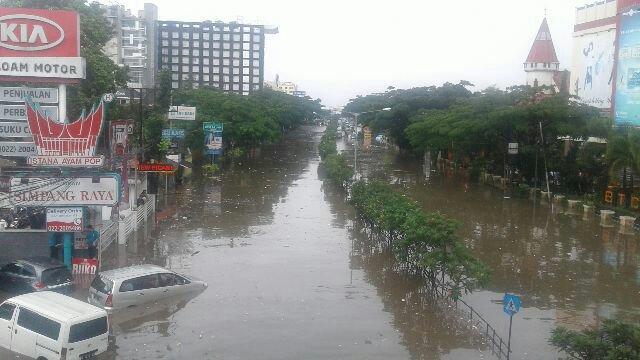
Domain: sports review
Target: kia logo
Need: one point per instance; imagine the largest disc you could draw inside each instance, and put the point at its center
(25, 32)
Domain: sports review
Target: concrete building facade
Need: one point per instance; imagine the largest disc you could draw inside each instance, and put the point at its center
(133, 44)
(227, 56)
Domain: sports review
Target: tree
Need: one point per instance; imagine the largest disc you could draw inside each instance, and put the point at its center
(623, 153)
(614, 340)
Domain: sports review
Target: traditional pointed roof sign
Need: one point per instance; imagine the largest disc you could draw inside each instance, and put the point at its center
(543, 50)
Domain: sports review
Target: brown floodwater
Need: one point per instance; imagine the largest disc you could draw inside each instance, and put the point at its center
(292, 276)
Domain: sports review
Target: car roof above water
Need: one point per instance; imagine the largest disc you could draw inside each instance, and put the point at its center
(42, 262)
(132, 272)
(57, 306)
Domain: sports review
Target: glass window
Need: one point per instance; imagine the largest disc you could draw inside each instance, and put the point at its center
(246, 70)
(246, 37)
(225, 78)
(174, 67)
(174, 85)
(39, 324)
(245, 62)
(215, 61)
(245, 79)
(165, 34)
(236, 62)
(195, 52)
(205, 78)
(6, 311)
(216, 78)
(236, 46)
(165, 59)
(225, 62)
(256, 79)
(185, 52)
(174, 76)
(236, 71)
(165, 42)
(185, 60)
(225, 70)
(236, 37)
(216, 53)
(88, 329)
(165, 51)
(256, 47)
(205, 69)
(205, 61)
(236, 54)
(236, 79)
(226, 45)
(256, 55)
(196, 60)
(256, 63)
(245, 54)
(185, 68)
(196, 35)
(256, 38)
(236, 87)
(245, 87)
(225, 37)
(185, 43)
(185, 35)
(205, 36)
(175, 43)
(195, 68)
(206, 44)
(215, 36)
(226, 87)
(216, 45)
(205, 52)
(56, 276)
(175, 35)
(175, 51)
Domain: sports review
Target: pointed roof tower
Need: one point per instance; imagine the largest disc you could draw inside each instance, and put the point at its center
(542, 50)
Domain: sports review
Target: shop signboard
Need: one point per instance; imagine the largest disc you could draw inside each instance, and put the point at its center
(594, 68)
(182, 113)
(102, 190)
(82, 266)
(65, 145)
(19, 94)
(627, 87)
(15, 130)
(175, 137)
(156, 167)
(213, 137)
(65, 219)
(17, 148)
(40, 43)
(19, 112)
(119, 135)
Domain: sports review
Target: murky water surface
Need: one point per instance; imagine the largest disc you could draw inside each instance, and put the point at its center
(291, 276)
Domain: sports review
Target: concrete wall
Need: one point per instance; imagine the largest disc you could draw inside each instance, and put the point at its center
(16, 244)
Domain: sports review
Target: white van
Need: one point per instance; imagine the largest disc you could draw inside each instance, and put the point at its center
(48, 325)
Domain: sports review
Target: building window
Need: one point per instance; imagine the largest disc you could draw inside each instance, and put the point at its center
(195, 52)
(256, 63)
(245, 87)
(195, 60)
(196, 35)
(256, 55)
(225, 78)
(226, 45)
(174, 85)
(236, 79)
(216, 78)
(165, 51)
(215, 36)
(175, 43)
(245, 79)
(225, 62)
(256, 38)
(206, 44)
(236, 71)
(185, 60)
(175, 35)
(165, 59)
(174, 67)
(165, 34)
(236, 37)
(205, 53)
(175, 59)
(216, 69)
(256, 79)
(256, 47)
(185, 35)
(175, 52)
(236, 54)
(205, 36)
(236, 62)
(215, 61)
(165, 42)
(185, 52)
(174, 76)
(236, 87)
(245, 71)
(185, 43)
(205, 78)
(216, 45)
(205, 61)
(245, 54)
(225, 37)
(225, 53)
(236, 46)
(225, 70)
(185, 68)
(205, 69)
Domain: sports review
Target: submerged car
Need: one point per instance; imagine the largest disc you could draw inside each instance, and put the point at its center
(36, 274)
(140, 284)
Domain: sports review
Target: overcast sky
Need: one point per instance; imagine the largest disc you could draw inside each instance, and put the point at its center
(337, 49)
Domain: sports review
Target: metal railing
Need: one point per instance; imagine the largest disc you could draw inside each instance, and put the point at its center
(475, 321)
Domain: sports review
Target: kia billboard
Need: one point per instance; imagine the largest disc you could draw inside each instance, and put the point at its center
(40, 43)
(627, 95)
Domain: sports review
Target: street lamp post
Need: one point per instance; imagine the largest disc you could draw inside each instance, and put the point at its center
(355, 138)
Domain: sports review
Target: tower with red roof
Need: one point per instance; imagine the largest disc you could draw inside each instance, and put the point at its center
(542, 66)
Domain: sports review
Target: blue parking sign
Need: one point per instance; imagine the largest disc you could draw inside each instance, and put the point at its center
(510, 304)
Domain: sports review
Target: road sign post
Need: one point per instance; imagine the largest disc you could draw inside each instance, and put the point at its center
(511, 306)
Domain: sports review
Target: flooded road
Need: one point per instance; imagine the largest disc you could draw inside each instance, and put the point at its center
(292, 276)
(276, 251)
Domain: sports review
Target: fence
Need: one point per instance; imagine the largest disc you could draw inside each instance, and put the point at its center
(498, 346)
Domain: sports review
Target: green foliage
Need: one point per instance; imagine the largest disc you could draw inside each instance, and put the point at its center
(103, 75)
(338, 170)
(623, 151)
(210, 170)
(249, 121)
(426, 241)
(327, 144)
(156, 147)
(404, 105)
(614, 340)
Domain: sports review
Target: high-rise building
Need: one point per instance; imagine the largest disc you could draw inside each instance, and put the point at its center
(594, 37)
(133, 44)
(227, 56)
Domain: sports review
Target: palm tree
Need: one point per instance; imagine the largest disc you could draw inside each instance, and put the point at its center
(623, 153)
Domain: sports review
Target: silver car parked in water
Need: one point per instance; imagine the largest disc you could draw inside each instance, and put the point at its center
(135, 285)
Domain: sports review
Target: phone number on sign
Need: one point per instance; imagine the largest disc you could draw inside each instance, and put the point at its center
(64, 228)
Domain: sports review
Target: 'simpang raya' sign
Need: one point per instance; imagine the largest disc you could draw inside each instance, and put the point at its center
(40, 43)
(627, 96)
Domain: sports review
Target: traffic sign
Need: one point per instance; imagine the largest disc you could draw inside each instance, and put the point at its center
(18, 94)
(510, 304)
(19, 112)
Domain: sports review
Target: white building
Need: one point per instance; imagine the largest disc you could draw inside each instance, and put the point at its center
(542, 66)
(133, 44)
(287, 87)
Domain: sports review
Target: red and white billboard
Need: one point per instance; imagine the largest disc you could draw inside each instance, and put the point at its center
(40, 43)
(65, 219)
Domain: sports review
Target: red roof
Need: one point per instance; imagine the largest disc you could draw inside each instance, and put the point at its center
(543, 50)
